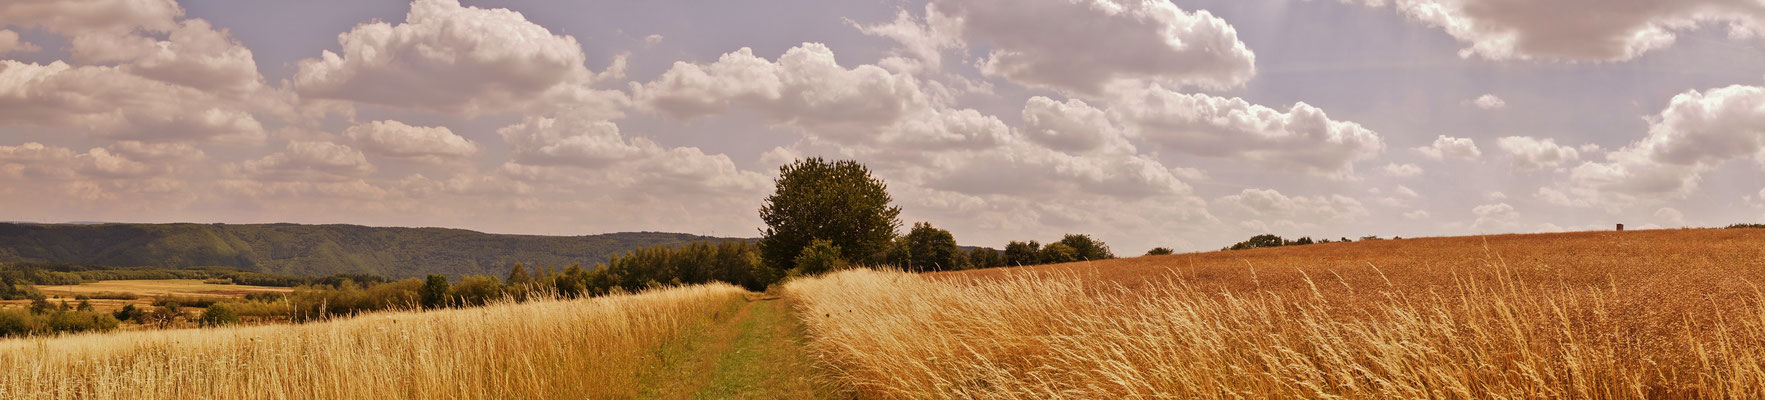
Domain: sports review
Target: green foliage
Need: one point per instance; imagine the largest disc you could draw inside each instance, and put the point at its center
(930, 249)
(518, 276)
(476, 290)
(1087, 248)
(1021, 254)
(16, 322)
(128, 313)
(13, 288)
(836, 201)
(983, 257)
(1747, 226)
(219, 314)
(279, 251)
(736, 263)
(821, 257)
(1159, 251)
(1055, 253)
(435, 290)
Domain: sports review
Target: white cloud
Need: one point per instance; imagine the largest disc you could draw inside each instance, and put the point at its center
(1601, 31)
(1445, 147)
(1533, 154)
(1415, 215)
(652, 40)
(577, 147)
(1302, 138)
(1402, 170)
(309, 161)
(10, 43)
(458, 60)
(1087, 46)
(1489, 102)
(1494, 217)
(1073, 127)
(1496, 196)
(923, 40)
(1302, 210)
(807, 89)
(1697, 132)
(422, 143)
(109, 102)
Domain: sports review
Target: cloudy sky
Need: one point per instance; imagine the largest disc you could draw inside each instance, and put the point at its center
(1190, 124)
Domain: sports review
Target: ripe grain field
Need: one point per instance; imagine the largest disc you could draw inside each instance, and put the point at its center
(1642, 314)
(592, 348)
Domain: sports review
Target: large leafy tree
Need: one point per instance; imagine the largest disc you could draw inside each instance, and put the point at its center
(1019, 254)
(835, 201)
(931, 249)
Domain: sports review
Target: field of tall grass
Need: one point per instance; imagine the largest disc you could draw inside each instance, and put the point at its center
(589, 348)
(1488, 331)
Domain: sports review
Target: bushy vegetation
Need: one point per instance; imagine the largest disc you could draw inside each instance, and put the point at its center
(307, 250)
(836, 201)
(926, 248)
(41, 319)
(1159, 251)
(1071, 247)
(1270, 240)
(1747, 226)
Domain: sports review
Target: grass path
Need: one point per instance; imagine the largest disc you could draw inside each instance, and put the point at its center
(752, 352)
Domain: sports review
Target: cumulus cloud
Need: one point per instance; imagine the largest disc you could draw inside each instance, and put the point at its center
(1268, 208)
(1532, 154)
(458, 60)
(807, 89)
(1301, 138)
(1601, 31)
(1494, 217)
(1697, 132)
(1402, 170)
(551, 147)
(1087, 46)
(1670, 217)
(1073, 127)
(110, 102)
(1445, 147)
(1489, 102)
(923, 40)
(10, 43)
(422, 143)
(1415, 215)
(309, 161)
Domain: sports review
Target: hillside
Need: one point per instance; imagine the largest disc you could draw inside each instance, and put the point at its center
(312, 250)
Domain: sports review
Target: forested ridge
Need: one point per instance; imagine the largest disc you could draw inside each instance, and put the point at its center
(314, 250)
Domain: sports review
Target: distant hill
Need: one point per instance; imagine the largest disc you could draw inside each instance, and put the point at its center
(313, 250)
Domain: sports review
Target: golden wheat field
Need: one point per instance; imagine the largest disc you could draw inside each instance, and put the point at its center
(1650, 314)
(544, 349)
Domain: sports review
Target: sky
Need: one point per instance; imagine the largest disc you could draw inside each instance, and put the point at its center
(1188, 124)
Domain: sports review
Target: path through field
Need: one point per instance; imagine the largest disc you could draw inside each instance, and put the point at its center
(751, 352)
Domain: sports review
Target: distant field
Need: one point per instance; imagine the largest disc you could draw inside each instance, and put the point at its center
(1640, 314)
(147, 290)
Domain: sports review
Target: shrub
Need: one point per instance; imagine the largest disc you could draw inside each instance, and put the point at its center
(219, 314)
(820, 257)
(1159, 251)
(128, 313)
(477, 290)
(982, 257)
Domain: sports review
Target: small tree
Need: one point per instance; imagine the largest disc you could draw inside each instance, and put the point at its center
(518, 276)
(434, 291)
(822, 256)
(835, 201)
(1159, 251)
(1021, 254)
(477, 290)
(128, 313)
(930, 249)
(1055, 253)
(219, 314)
